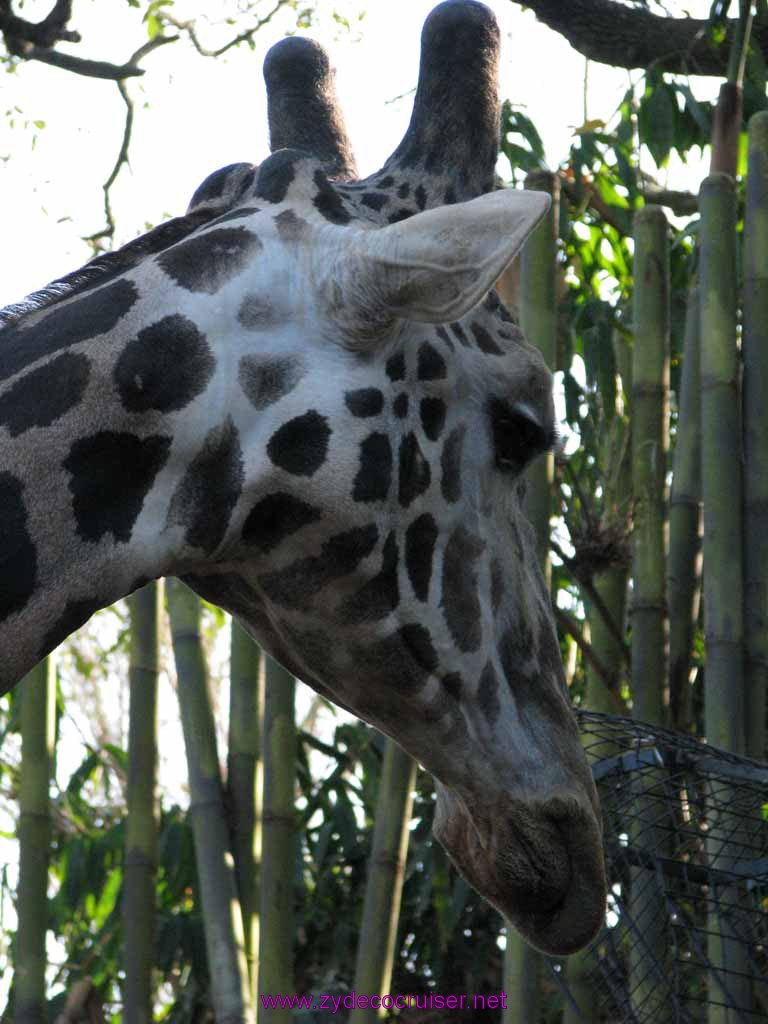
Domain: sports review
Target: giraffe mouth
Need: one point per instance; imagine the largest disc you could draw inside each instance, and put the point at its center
(539, 863)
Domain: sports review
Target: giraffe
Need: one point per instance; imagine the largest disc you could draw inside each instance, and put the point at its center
(304, 398)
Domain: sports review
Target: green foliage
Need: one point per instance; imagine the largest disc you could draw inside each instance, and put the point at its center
(152, 17)
(520, 141)
(446, 931)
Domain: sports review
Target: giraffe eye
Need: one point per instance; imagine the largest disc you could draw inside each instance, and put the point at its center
(518, 435)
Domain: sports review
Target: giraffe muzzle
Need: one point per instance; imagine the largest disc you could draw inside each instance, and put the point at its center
(540, 863)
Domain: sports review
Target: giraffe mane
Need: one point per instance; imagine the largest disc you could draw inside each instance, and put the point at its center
(109, 264)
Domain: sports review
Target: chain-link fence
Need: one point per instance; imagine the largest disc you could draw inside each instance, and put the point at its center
(686, 840)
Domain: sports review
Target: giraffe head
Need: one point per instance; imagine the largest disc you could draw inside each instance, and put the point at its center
(324, 415)
(387, 408)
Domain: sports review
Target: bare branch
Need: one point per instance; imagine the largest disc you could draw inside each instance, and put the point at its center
(634, 37)
(683, 204)
(36, 41)
(569, 625)
(594, 596)
(19, 33)
(81, 65)
(108, 232)
(190, 27)
(148, 47)
(596, 201)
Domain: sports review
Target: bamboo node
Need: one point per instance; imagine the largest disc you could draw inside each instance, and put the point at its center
(269, 817)
(135, 858)
(690, 500)
(713, 383)
(638, 390)
(389, 860)
(35, 815)
(186, 634)
(197, 805)
(649, 606)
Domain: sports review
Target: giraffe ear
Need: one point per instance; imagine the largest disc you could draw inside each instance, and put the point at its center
(437, 265)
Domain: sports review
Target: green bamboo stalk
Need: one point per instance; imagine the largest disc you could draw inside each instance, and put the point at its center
(538, 319)
(685, 519)
(721, 471)
(244, 783)
(142, 819)
(37, 693)
(737, 58)
(726, 129)
(384, 887)
(222, 916)
(755, 413)
(603, 689)
(721, 467)
(278, 842)
(650, 441)
(728, 116)
(521, 981)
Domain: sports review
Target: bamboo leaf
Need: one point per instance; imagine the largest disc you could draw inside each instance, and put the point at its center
(656, 118)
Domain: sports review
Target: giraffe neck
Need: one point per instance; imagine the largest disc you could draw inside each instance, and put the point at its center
(91, 461)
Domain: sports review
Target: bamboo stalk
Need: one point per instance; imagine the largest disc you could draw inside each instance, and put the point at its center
(603, 692)
(278, 842)
(726, 127)
(222, 917)
(142, 819)
(384, 886)
(721, 467)
(37, 693)
(721, 449)
(604, 678)
(244, 783)
(755, 412)
(650, 441)
(685, 519)
(538, 318)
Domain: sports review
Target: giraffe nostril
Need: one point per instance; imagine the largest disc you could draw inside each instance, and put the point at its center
(538, 861)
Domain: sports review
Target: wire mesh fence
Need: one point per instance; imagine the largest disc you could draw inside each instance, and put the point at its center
(686, 840)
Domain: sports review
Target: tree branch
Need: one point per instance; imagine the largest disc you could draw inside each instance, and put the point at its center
(632, 37)
(52, 29)
(108, 232)
(81, 65)
(569, 625)
(36, 40)
(593, 594)
(190, 27)
(682, 204)
(611, 215)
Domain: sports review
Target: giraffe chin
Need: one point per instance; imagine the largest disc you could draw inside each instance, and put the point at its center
(540, 863)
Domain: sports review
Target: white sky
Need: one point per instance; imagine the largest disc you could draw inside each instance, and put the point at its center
(202, 114)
